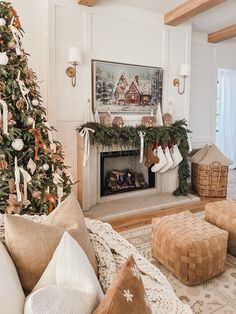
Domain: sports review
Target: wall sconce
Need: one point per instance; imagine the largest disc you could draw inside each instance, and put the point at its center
(74, 57)
(185, 71)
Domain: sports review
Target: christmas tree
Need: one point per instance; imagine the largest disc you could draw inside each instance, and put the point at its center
(33, 177)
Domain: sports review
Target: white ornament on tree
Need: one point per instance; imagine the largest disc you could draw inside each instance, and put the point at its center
(169, 160)
(18, 144)
(3, 58)
(35, 102)
(46, 167)
(31, 121)
(5, 116)
(162, 159)
(176, 156)
(31, 166)
(2, 22)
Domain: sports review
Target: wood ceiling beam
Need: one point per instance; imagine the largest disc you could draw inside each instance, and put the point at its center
(188, 10)
(222, 34)
(88, 3)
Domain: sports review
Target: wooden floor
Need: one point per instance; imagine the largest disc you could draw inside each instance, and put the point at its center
(121, 224)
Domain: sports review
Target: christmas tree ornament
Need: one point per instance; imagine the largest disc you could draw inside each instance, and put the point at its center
(159, 120)
(14, 207)
(11, 45)
(2, 85)
(176, 156)
(31, 122)
(3, 58)
(18, 144)
(35, 102)
(85, 134)
(20, 104)
(46, 167)
(3, 164)
(162, 159)
(141, 136)
(16, 35)
(36, 194)
(31, 165)
(2, 22)
(169, 160)
(4, 106)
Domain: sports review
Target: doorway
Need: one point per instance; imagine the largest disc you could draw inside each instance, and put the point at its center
(226, 113)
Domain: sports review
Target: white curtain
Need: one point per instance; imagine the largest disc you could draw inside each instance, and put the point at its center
(226, 137)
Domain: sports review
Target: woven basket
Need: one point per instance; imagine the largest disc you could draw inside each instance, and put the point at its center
(210, 180)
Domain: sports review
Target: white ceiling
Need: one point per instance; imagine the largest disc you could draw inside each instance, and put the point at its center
(218, 17)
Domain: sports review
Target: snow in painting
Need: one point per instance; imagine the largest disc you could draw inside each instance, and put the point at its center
(126, 88)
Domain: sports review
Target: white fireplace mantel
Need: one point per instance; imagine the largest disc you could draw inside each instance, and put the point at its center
(89, 179)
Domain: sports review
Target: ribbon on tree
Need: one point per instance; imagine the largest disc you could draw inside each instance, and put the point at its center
(51, 199)
(142, 135)
(38, 139)
(51, 137)
(85, 134)
(24, 90)
(58, 181)
(4, 116)
(26, 179)
(16, 34)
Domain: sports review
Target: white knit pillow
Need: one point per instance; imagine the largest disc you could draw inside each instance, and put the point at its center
(69, 272)
(12, 297)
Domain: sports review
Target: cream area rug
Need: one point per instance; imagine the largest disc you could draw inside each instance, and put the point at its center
(217, 295)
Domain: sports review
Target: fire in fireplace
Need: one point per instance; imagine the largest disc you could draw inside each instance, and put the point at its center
(122, 172)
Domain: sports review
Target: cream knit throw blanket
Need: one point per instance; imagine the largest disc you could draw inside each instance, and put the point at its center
(111, 250)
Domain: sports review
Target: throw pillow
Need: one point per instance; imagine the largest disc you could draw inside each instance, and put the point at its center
(12, 297)
(127, 294)
(69, 275)
(200, 154)
(215, 154)
(68, 215)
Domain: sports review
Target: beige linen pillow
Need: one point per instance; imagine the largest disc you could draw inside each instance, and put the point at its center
(215, 154)
(68, 215)
(200, 154)
(12, 297)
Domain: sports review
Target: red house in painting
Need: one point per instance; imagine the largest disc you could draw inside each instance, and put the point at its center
(133, 91)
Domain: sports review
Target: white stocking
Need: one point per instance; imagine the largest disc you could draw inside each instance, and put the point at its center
(176, 156)
(162, 159)
(169, 160)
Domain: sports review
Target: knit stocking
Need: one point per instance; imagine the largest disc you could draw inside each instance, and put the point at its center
(176, 156)
(169, 160)
(162, 159)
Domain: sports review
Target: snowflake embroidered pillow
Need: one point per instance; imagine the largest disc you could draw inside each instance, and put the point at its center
(127, 294)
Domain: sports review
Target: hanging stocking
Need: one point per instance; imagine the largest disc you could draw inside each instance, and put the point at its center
(169, 160)
(142, 136)
(159, 120)
(162, 159)
(24, 90)
(4, 116)
(176, 156)
(16, 34)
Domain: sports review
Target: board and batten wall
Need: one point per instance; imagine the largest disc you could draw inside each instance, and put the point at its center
(206, 60)
(110, 32)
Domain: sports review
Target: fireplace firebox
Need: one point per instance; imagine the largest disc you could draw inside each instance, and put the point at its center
(121, 171)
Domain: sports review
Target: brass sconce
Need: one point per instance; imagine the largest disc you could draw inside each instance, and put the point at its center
(185, 71)
(74, 59)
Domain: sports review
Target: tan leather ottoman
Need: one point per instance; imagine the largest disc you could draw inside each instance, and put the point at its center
(188, 246)
(223, 215)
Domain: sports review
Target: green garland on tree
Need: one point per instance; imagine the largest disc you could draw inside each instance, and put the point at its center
(128, 136)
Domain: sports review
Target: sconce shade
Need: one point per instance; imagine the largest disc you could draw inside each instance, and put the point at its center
(74, 54)
(185, 70)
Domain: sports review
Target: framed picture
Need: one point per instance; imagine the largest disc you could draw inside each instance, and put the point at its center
(126, 88)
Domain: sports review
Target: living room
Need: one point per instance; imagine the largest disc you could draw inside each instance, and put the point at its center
(141, 95)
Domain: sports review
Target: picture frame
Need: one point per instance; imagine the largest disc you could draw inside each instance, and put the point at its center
(125, 88)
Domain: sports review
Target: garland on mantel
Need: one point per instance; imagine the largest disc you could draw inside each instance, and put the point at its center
(128, 136)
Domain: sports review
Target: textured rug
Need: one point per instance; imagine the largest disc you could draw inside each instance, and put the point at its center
(217, 295)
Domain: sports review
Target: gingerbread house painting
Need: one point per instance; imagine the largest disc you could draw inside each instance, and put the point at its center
(126, 88)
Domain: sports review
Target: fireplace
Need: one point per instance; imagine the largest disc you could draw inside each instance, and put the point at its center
(121, 172)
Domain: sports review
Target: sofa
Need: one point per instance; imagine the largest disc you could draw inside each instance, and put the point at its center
(67, 259)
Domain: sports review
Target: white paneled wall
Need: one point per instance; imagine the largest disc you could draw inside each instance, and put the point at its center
(110, 32)
(206, 59)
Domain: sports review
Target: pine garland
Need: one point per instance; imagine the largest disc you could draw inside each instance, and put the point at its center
(127, 136)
